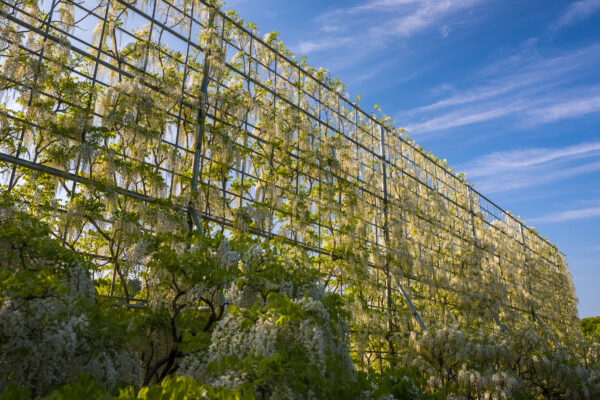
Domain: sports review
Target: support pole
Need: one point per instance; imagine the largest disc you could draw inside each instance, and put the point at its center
(410, 304)
(475, 238)
(533, 313)
(386, 235)
(499, 323)
(13, 178)
(201, 121)
(545, 328)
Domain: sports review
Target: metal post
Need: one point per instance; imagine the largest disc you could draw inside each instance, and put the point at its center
(201, 121)
(472, 212)
(545, 328)
(532, 310)
(386, 233)
(182, 91)
(475, 238)
(410, 304)
(88, 107)
(13, 179)
(499, 323)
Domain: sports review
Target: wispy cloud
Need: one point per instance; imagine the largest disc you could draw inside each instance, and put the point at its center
(532, 177)
(570, 215)
(510, 170)
(445, 31)
(462, 117)
(428, 13)
(518, 73)
(578, 11)
(501, 162)
(373, 5)
(310, 46)
(567, 109)
(534, 90)
(595, 248)
(378, 23)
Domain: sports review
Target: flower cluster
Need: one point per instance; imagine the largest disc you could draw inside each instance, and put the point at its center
(147, 136)
(270, 325)
(48, 316)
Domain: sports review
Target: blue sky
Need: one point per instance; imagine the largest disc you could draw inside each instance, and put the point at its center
(507, 91)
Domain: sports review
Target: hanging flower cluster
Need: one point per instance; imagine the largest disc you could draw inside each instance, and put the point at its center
(50, 328)
(278, 335)
(173, 116)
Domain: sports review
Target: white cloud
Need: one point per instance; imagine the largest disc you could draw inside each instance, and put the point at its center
(428, 13)
(445, 31)
(373, 5)
(307, 47)
(533, 177)
(461, 117)
(443, 89)
(578, 11)
(382, 22)
(505, 171)
(531, 89)
(529, 73)
(569, 215)
(564, 110)
(501, 162)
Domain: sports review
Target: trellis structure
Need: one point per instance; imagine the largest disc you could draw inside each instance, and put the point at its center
(185, 112)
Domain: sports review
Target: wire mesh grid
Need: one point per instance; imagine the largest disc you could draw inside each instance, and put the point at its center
(183, 108)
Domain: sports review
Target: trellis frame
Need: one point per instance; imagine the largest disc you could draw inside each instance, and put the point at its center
(393, 157)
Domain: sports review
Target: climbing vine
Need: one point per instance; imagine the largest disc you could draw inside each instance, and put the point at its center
(234, 200)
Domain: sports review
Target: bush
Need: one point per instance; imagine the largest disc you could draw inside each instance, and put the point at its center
(52, 326)
(591, 326)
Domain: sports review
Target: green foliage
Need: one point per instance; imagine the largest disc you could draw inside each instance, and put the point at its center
(52, 326)
(396, 383)
(171, 388)
(84, 387)
(274, 304)
(182, 388)
(282, 335)
(106, 273)
(591, 326)
(15, 392)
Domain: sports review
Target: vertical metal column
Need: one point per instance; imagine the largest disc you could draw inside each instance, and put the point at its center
(13, 180)
(388, 282)
(533, 313)
(386, 234)
(545, 328)
(201, 123)
(470, 191)
(182, 94)
(88, 107)
(410, 304)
